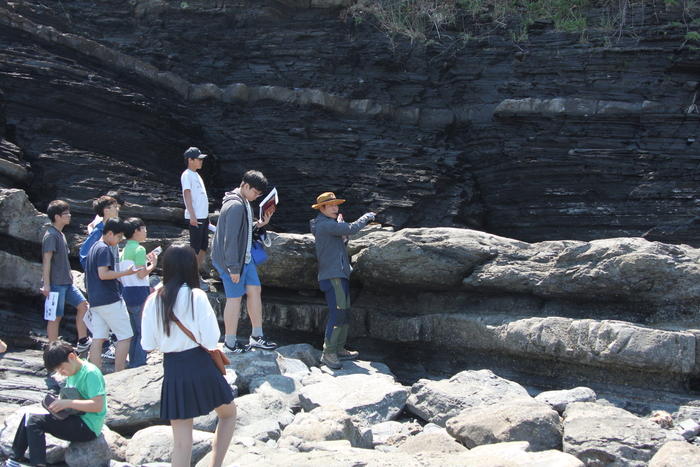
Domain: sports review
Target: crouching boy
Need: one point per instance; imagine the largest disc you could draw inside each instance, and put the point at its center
(81, 375)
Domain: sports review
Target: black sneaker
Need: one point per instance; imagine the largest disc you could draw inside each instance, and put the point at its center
(83, 345)
(261, 343)
(238, 348)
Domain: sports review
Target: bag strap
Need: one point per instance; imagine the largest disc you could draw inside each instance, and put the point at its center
(189, 334)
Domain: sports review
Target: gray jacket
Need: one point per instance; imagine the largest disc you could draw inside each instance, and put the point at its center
(330, 247)
(230, 241)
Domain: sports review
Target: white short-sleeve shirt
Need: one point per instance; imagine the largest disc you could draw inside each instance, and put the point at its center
(191, 180)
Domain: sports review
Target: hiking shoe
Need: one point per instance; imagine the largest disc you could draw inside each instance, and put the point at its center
(261, 343)
(12, 463)
(238, 348)
(331, 361)
(347, 354)
(109, 353)
(83, 344)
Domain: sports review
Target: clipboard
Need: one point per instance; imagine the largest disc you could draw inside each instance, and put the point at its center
(50, 306)
(269, 204)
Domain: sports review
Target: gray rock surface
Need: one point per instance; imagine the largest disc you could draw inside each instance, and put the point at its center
(604, 435)
(98, 452)
(393, 434)
(327, 423)
(21, 220)
(19, 275)
(518, 452)
(675, 454)
(427, 259)
(254, 364)
(513, 420)
(284, 387)
(304, 352)
(134, 398)
(262, 416)
(425, 442)
(438, 401)
(558, 400)
(369, 398)
(155, 444)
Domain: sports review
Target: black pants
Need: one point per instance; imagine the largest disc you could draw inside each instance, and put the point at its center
(30, 434)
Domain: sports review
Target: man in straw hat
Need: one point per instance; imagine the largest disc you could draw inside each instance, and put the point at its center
(334, 274)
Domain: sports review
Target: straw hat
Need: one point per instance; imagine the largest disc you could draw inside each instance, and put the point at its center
(327, 198)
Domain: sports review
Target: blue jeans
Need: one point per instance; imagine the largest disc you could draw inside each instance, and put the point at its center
(32, 435)
(137, 356)
(67, 293)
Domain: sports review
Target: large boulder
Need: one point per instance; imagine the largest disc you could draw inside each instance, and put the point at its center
(610, 436)
(291, 262)
(97, 453)
(18, 275)
(283, 387)
(676, 454)
(262, 416)
(155, 444)
(134, 398)
(304, 352)
(438, 401)
(20, 218)
(257, 363)
(516, 420)
(590, 341)
(369, 398)
(426, 259)
(438, 441)
(558, 400)
(328, 423)
(610, 269)
(519, 453)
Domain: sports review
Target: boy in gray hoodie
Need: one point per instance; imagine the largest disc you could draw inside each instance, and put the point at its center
(230, 255)
(334, 274)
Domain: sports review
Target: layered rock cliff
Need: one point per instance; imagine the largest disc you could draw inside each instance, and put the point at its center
(561, 136)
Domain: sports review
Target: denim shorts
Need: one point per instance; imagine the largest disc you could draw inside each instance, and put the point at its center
(235, 290)
(67, 293)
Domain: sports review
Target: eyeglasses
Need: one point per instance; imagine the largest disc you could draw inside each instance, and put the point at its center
(258, 194)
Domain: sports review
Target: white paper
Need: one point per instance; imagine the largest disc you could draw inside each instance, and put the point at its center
(212, 227)
(269, 196)
(33, 410)
(50, 306)
(87, 319)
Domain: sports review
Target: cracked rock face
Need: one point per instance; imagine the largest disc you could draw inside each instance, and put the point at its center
(442, 135)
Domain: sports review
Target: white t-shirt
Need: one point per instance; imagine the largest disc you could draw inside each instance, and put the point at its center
(191, 180)
(203, 325)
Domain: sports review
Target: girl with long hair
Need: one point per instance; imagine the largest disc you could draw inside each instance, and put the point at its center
(192, 385)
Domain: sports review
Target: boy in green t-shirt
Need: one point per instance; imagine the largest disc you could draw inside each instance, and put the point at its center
(136, 287)
(88, 380)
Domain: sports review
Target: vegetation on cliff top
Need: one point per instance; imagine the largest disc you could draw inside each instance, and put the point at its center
(474, 19)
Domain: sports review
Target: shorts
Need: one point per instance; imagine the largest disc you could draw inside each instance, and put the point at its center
(248, 277)
(199, 236)
(112, 317)
(67, 293)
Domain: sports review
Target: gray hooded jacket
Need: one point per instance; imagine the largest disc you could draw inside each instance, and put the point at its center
(332, 255)
(230, 241)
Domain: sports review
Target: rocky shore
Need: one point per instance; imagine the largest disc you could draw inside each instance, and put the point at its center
(600, 336)
(293, 412)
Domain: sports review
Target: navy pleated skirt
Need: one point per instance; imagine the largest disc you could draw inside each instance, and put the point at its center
(192, 385)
